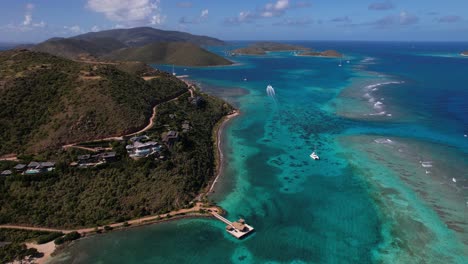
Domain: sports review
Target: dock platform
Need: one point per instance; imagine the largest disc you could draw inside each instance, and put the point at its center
(238, 229)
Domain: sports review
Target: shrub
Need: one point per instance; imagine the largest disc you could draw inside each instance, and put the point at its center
(49, 237)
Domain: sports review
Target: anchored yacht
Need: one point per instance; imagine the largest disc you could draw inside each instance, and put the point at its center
(314, 156)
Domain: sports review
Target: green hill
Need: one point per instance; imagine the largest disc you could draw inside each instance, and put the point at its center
(136, 44)
(178, 53)
(326, 53)
(261, 48)
(48, 101)
(141, 36)
(79, 48)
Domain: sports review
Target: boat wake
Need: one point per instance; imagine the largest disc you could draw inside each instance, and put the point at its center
(271, 92)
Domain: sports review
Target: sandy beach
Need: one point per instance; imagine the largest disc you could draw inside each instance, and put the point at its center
(47, 249)
(220, 155)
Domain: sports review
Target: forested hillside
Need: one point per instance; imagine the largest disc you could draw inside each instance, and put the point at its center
(47, 101)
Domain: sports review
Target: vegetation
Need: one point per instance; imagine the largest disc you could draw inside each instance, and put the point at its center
(67, 238)
(123, 190)
(141, 36)
(47, 101)
(326, 53)
(261, 48)
(15, 251)
(95, 46)
(178, 53)
(79, 48)
(17, 236)
(138, 68)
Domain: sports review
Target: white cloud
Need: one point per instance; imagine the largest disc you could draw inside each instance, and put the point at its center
(275, 9)
(129, 12)
(95, 28)
(243, 17)
(73, 29)
(270, 10)
(157, 19)
(197, 20)
(204, 13)
(27, 20)
(40, 24)
(28, 16)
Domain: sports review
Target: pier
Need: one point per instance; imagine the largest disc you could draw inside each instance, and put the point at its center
(238, 229)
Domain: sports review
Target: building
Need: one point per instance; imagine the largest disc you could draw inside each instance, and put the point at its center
(141, 150)
(108, 157)
(35, 167)
(20, 167)
(6, 173)
(197, 101)
(33, 164)
(139, 138)
(85, 161)
(170, 138)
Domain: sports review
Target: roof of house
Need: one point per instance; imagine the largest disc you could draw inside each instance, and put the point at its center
(139, 138)
(20, 166)
(138, 144)
(6, 172)
(172, 134)
(238, 226)
(109, 155)
(84, 157)
(33, 164)
(48, 164)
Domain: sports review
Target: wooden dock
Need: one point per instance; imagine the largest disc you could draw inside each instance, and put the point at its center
(238, 229)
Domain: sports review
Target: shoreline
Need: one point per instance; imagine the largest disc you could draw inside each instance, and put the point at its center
(49, 249)
(220, 155)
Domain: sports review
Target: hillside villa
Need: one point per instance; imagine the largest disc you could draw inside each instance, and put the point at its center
(138, 149)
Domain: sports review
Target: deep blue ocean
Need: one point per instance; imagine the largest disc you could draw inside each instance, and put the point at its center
(390, 126)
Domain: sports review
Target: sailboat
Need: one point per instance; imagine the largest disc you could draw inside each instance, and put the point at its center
(173, 72)
(339, 65)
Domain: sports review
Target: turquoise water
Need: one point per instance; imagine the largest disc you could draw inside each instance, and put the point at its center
(383, 191)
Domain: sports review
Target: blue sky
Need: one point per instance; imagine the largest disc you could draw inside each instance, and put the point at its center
(411, 20)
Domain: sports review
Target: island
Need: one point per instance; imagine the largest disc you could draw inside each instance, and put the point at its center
(144, 44)
(177, 53)
(464, 53)
(110, 144)
(261, 48)
(326, 53)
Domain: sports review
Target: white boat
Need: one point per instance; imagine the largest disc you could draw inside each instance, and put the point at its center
(339, 65)
(173, 72)
(314, 156)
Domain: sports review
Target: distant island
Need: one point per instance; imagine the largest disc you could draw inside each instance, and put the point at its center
(261, 48)
(326, 53)
(464, 53)
(178, 53)
(136, 44)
